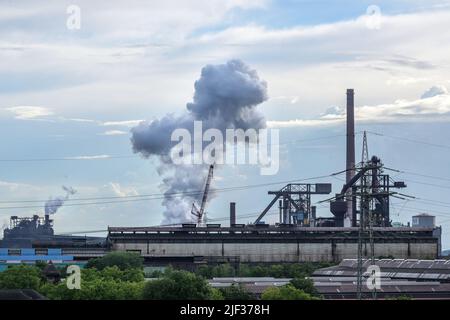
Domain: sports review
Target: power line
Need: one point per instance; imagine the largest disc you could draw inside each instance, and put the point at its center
(222, 218)
(410, 140)
(157, 196)
(425, 176)
(422, 175)
(75, 158)
(108, 157)
(420, 210)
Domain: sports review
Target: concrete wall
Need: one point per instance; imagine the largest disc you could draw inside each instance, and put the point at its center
(280, 252)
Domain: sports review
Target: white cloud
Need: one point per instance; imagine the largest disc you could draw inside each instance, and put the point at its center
(114, 133)
(6, 186)
(124, 123)
(434, 108)
(29, 112)
(302, 123)
(434, 105)
(93, 157)
(123, 191)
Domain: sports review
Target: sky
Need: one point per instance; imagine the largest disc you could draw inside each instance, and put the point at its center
(69, 97)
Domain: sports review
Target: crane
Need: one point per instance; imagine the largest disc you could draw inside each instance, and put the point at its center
(200, 213)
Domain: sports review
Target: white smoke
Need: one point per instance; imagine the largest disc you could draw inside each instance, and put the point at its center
(53, 204)
(5, 225)
(225, 97)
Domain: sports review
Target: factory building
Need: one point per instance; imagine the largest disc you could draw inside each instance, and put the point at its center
(269, 244)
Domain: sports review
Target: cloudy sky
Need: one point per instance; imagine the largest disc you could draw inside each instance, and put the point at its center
(68, 98)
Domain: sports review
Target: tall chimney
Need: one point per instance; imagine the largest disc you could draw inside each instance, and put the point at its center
(350, 163)
(232, 213)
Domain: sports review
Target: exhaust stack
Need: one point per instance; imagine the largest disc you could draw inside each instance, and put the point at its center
(232, 214)
(350, 162)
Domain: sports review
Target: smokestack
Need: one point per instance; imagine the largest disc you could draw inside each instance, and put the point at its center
(312, 222)
(350, 163)
(232, 213)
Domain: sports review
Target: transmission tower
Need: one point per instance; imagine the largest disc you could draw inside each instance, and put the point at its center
(365, 216)
(365, 150)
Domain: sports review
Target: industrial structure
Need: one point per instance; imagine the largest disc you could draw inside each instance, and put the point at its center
(295, 206)
(360, 227)
(262, 243)
(35, 231)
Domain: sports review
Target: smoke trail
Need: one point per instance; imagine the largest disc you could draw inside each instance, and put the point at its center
(225, 97)
(4, 226)
(53, 204)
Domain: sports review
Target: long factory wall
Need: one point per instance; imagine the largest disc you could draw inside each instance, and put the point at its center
(280, 252)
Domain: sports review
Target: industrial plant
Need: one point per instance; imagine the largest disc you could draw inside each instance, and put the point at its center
(361, 226)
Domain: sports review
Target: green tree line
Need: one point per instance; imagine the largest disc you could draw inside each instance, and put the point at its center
(120, 276)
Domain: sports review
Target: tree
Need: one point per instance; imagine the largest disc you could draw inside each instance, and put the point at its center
(236, 292)
(177, 285)
(114, 273)
(20, 277)
(306, 285)
(216, 294)
(111, 283)
(287, 292)
(123, 260)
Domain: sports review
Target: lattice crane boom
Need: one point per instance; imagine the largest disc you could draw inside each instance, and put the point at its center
(199, 213)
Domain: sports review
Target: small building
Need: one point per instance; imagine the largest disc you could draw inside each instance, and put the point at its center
(423, 220)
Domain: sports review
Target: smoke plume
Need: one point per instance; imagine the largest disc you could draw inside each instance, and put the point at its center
(225, 97)
(53, 204)
(4, 226)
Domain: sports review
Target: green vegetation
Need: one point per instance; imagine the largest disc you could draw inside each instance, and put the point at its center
(123, 260)
(20, 277)
(236, 292)
(287, 292)
(120, 276)
(111, 283)
(306, 285)
(177, 285)
(288, 270)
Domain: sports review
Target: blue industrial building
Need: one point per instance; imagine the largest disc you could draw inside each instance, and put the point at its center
(10, 257)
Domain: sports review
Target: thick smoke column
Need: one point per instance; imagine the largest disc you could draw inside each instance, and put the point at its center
(225, 97)
(53, 204)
